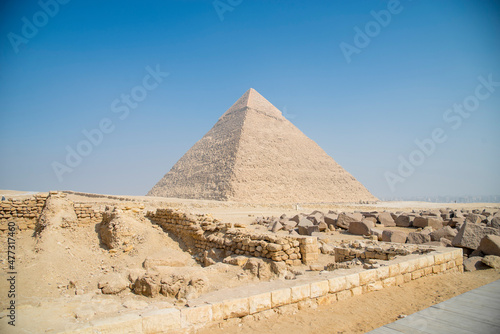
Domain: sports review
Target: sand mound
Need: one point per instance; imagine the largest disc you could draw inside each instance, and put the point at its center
(57, 213)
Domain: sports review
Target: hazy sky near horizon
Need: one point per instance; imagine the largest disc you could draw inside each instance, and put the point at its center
(366, 80)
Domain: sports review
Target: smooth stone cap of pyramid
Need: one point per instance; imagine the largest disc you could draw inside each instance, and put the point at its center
(253, 100)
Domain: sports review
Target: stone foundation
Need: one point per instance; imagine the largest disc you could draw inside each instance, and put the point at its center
(201, 232)
(295, 294)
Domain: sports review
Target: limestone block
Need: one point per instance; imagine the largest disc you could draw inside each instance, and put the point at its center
(127, 323)
(374, 286)
(352, 281)
(196, 315)
(383, 272)
(300, 292)
(357, 291)
(327, 299)
(218, 311)
(417, 274)
(391, 281)
(320, 288)
(367, 276)
(236, 308)
(281, 297)
(394, 270)
(343, 295)
(337, 284)
(259, 303)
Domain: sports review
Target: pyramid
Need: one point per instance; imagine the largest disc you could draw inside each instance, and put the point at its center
(253, 154)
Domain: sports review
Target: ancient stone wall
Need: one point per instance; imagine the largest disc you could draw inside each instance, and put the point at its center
(25, 212)
(201, 233)
(289, 298)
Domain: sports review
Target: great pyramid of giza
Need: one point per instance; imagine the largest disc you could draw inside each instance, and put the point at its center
(253, 154)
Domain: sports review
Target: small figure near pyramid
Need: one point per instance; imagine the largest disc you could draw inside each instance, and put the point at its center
(253, 154)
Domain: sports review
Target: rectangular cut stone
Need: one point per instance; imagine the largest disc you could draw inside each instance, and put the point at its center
(218, 311)
(457, 253)
(422, 262)
(448, 256)
(417, 274)
(427, 271)
(259, 303)
(394, 270)
(327, 300)
(400, 280)
(450, 264)
(352, 281)
(320, 288)
(413, 265)
(281, 297)
(343, 295)
(383, 272)
(196, 315)
(430, 260)
(356, 291)
(300, 292)
(337, 284)
(127, 323)
(374, 286)
(236, 308)
(439, 258)
(404, 267)
(367, 276)
(459, 261)
(391, 281)
(407, 277)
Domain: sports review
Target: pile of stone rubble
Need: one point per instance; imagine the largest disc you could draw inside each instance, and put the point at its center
(476, 232)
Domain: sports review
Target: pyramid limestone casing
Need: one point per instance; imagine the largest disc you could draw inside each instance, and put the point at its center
(253, 154)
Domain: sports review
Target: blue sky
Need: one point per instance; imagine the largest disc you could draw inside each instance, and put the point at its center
(367, 113)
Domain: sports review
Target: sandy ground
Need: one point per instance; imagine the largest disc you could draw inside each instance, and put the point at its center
(362, 313)
(58, 277)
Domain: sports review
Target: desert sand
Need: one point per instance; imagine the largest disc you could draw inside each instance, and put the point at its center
(60, 272)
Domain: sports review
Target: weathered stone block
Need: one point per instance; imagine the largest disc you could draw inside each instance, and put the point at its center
(367, 276)
(391, 281)
(357, 291)
(236, 308)
(385, 218)
(127, 323)
(418, 238)
(281, 297)
(374, 286)
(300, 292)
(394, 270)
(337, 284)
(393, 236)
(360, 227)
(327, 299)
(320, 288)
(196, 315)
(343, 295)
(352, 281)
(470, 235)
(383, 272)
(259, 303)
(490, 245)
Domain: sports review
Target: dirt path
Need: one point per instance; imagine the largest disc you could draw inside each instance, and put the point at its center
(366, 312)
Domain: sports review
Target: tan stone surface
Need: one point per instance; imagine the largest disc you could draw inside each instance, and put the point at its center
(254, 154)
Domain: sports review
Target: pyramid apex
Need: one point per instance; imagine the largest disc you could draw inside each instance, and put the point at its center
(253, 100)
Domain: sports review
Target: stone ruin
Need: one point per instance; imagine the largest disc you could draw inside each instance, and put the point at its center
(297, 262)
(477, 233)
